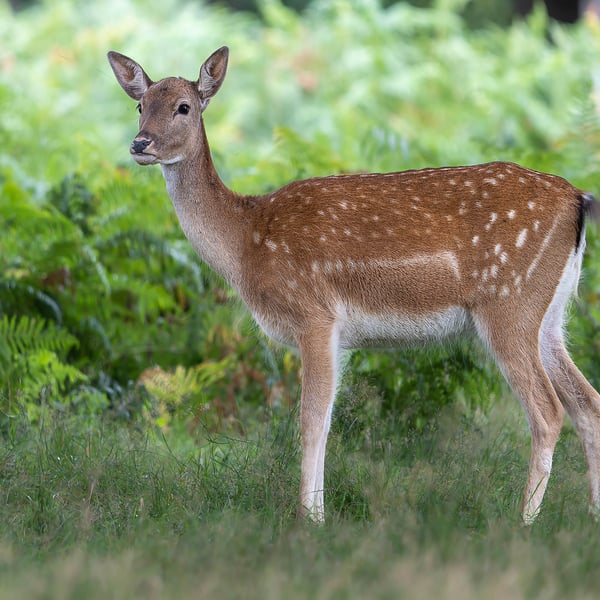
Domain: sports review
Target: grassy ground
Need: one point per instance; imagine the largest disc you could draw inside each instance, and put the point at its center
(119, 514)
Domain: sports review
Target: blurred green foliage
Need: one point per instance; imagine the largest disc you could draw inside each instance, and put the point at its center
(98, 288)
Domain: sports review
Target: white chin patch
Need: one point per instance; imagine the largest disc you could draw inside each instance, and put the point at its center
(171, 161)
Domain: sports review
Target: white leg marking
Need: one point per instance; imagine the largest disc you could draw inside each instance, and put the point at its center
(544, 244)
(313, 459)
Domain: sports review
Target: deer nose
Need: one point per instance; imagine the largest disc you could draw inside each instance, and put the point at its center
(138, 146)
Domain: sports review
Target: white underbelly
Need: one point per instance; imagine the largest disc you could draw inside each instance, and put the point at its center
(359, 329)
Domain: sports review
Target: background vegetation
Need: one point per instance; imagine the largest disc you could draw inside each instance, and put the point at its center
(148, 431)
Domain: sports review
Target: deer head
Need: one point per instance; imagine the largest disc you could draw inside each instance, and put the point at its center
(170, 110)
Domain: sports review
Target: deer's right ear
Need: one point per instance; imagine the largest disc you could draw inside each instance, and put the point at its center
(129, 74)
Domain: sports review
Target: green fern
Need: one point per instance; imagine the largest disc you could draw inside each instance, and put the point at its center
(32, 363)
(18, 296)
(25, 334)
(157, 253)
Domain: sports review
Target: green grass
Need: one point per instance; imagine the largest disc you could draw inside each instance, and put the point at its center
(108, 512)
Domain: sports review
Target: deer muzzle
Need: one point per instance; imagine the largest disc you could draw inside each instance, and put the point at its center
(139, 145)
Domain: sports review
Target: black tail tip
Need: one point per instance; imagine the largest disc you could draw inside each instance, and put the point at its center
(590, 206)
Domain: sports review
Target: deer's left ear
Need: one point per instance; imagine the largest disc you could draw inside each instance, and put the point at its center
(212, 73)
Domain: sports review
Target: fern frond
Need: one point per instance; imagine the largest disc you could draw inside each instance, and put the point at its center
(31, 362)
(16, 295)
(25, 334)
(145, 245)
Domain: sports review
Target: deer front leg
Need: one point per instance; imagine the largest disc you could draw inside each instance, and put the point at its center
(319, 352)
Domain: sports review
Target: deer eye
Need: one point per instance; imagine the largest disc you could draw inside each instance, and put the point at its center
(139, 108)
(183, 109)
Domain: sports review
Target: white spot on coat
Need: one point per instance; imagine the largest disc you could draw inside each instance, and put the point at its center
(492, 220)
(521, 238)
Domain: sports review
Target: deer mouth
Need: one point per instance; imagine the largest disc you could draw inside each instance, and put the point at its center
(144, 158)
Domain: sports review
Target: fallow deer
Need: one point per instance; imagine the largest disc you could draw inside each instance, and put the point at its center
(333, 263)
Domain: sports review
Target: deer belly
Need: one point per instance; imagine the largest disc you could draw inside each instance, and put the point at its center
(361, 329)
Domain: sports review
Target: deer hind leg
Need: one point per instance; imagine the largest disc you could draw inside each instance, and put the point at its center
(518, 356)
(582, 403)
(319, 351)
(580, 399)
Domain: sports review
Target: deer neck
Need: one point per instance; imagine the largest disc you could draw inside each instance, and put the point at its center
(210, 214)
